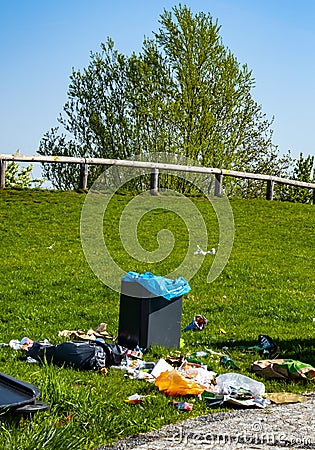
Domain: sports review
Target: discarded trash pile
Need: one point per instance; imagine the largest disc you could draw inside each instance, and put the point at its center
(175, 375)
(149, 304)
(187, 375)
(195, 379)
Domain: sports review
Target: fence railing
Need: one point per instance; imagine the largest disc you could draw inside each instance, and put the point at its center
(155, 168)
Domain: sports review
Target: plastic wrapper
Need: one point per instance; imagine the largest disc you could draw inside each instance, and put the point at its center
(290, 369)
(227, 362)
(229, 383)
(285, 397)
(183, 406)
(173, 383)
(198, 323)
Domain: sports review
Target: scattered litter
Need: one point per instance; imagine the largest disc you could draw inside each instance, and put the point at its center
(194, 361)
(183, 406)
(199, 322)
(213, 353)
(285, 397)
(229, 383)
(160, 367)
(266, 346)
(237, 390)
(198, 363)
(136, 353)
(240, 390)
(200, 375)
(250, 401)
(142, 375)
(136, 368)
(175, 361)
(200, 354)
(227, 362)
(23, 344)
(174, 383)
(199, 251)
(177, 375)
(90, 335)
(283, 368)
(212, 398)
(135, 398)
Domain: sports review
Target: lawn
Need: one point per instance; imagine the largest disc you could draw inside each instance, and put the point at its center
(46, 285)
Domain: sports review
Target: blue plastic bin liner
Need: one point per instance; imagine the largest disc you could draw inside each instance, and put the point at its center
(158, 285)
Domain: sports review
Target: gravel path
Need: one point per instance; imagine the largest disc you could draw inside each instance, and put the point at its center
(273, 428)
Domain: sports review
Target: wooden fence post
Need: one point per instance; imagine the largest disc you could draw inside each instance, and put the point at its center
(2, 173)
(218, 184)
(84, 170)
(154, 182)
(270, 186)
(84, 163)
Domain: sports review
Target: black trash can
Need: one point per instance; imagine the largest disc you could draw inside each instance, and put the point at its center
(145, 319)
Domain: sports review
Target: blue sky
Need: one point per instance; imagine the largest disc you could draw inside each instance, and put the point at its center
(42, 40)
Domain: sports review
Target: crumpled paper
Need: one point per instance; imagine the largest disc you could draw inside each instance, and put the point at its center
(90, 335)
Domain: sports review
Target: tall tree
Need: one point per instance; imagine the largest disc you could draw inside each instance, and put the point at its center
(303, 170)
(183, 93)
(17, 176)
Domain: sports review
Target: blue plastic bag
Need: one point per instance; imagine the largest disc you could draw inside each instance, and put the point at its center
(158, 285)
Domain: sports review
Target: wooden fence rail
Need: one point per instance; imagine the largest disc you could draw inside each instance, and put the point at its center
(155, 168)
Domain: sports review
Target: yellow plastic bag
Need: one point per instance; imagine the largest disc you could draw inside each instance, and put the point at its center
(173, 383)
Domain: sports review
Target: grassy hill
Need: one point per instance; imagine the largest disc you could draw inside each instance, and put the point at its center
(46, 285)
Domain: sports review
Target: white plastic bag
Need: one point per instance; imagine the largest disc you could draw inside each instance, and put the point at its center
(227, 383)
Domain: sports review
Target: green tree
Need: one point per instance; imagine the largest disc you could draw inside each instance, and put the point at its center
(303, 170)
(184, 93)
(20, 177)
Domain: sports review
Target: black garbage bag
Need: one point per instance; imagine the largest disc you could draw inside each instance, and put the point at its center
(40, 351)
(79, 355)
(114, 353)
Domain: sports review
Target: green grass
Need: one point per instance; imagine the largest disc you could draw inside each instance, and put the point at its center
(267, 287)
